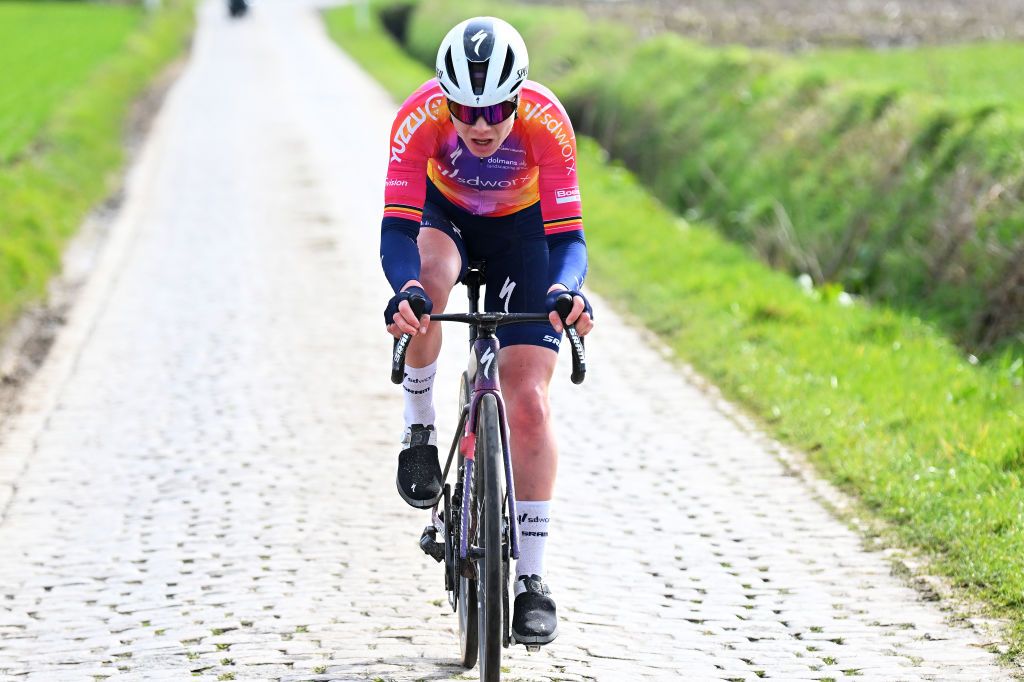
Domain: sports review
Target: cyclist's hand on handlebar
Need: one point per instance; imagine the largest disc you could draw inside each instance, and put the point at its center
(399, 316)
(582, 315)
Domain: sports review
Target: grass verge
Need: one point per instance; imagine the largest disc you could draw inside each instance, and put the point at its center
(899, 195)
(884, 405)
(47, 49)
(73, 158)
(965, 76)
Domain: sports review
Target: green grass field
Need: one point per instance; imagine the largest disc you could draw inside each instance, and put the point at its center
(966, 77)
(884, 405)
(47, 49)
(63, 122)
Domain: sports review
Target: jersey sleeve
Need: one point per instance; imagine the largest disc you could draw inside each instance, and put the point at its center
(413, 140)
(558, 185)
(555, 153)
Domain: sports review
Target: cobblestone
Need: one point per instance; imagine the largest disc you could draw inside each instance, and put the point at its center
(200, 482)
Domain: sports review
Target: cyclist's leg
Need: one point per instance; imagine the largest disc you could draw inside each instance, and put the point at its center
(441, 266)
(526, 372)
(442, 261)
(517, 281)
(439, 269)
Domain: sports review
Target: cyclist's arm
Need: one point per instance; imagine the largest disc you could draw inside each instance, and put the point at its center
(413, 140)
(553, 145)
(560, 195)
(563, 227)
(399, 255)
(567, 259)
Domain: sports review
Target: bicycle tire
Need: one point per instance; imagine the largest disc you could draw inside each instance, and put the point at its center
(490, 569)
(466, 598)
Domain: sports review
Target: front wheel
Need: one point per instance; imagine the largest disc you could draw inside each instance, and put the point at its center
(490, 500)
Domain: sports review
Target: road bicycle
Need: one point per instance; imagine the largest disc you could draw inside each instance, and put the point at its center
(477, 521)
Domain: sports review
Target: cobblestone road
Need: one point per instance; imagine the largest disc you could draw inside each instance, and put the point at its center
(201, 482)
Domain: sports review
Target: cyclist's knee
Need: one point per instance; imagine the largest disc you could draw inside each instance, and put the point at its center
(529, 411)
(440, 265)
(438, 286)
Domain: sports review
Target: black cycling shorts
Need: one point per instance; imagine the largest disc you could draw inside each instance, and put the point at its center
(516, 254)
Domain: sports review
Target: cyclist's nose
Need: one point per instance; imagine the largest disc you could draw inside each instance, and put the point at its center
(481, 125)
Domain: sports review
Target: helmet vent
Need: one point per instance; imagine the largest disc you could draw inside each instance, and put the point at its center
(478, 76)
(506, 70)
(450, 67)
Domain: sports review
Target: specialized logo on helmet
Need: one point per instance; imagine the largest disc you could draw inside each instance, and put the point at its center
(478, 39)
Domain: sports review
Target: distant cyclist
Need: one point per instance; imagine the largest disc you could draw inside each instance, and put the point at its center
(483, 167)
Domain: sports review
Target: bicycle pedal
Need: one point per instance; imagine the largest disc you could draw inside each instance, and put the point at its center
(430, 546)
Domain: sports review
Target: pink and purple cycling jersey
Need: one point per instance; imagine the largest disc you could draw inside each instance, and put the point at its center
(537, 162)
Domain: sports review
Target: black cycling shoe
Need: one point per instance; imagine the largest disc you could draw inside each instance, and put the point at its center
(534, 620)
(419, 473)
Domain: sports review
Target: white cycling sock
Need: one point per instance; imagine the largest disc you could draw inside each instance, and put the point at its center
(419, 394)
(534, 517)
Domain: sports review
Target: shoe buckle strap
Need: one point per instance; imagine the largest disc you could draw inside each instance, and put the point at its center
(417, 435)
(534, 583)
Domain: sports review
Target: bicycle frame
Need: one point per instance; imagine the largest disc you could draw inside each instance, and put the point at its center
(483, 378)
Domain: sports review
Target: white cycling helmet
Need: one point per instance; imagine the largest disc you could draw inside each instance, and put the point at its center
(482, 61)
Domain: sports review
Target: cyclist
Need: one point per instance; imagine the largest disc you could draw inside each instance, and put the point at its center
(483, 166)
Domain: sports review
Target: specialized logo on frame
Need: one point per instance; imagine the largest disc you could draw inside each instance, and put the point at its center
(487, 358)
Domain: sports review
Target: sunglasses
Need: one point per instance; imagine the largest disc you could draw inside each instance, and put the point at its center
(494, 114)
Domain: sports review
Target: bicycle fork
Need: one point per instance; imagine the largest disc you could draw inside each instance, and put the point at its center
(467, 446)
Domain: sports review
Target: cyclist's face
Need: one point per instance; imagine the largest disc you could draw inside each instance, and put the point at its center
(482, 139)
